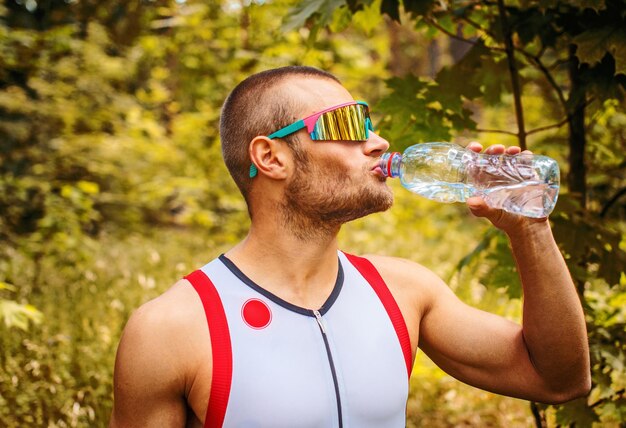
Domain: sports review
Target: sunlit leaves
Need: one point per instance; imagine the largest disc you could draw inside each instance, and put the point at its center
(322, 9)
(368, 18)
(414, 113)
(18, 315)
(592, 250)
(576, 412)
(493, 262)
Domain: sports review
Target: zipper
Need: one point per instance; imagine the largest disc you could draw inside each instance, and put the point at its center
(318, 317)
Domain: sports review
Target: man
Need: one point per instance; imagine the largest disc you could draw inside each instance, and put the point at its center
(285, 330)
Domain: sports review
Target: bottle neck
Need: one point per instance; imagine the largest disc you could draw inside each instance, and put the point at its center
(390, 164)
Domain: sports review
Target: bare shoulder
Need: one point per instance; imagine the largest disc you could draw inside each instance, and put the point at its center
(172, 310)
(408, 278)
(163, 330)
(163, 347)
(414, 287)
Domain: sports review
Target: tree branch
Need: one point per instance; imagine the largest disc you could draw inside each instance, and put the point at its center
(478, 26)
(497, 131)
(536, 60)
(457, 37)
(611, 202)
(515, 84)
(556, 63)
(545, 128)
(532, 131)
(536, 414)
(448, 33)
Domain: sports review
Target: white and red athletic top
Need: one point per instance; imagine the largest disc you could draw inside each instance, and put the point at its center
(275, 364)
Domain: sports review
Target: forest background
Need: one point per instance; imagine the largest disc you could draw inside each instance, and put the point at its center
(112, 185)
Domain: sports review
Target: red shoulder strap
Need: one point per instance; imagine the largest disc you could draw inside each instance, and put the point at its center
(220, 348)
(371, 275)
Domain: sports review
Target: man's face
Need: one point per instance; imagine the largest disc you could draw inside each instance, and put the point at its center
(334, 181)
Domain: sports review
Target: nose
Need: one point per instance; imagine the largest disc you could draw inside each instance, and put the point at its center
(375, 145)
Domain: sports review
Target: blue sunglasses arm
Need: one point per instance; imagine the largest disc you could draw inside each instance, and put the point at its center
(287, 130)
(290, 129)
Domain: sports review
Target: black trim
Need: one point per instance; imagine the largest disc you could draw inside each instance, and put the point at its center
(333, 372)
(274, 298)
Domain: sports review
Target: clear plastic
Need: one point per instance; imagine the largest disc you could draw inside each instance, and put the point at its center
(524, 184)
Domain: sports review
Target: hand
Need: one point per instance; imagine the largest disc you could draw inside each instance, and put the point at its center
(507, 222)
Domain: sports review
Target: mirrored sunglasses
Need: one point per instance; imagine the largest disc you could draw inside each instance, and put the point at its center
(344, 122)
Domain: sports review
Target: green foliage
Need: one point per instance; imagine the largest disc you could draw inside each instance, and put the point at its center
(596, 254)
(415, 112)
(438, 400)
(594, 44)
(415, 7)
(109, 126)
(19, 315)
(494, 263)
(592, 247)
(60, 372)
(322, 9)
(112, 184)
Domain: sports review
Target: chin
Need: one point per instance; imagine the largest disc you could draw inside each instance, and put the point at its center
(377, 203)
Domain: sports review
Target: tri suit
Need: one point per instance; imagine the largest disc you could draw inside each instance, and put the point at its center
(275, 364)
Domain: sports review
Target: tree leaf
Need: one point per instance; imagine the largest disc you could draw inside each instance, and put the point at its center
(18, 315)
(419, 7)
(477, 252)
(306, 9)
(391, 8)
(576, 412)
(6, 286)
(593, 44)
(460, 79)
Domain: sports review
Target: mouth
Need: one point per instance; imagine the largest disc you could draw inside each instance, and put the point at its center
(376, 170)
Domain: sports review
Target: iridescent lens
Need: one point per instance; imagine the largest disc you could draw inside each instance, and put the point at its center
(348, 123)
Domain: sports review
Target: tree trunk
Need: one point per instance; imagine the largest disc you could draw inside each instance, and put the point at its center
(515, 81)
(576, 179)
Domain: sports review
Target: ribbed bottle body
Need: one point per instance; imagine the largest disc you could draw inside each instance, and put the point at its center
(523, 184)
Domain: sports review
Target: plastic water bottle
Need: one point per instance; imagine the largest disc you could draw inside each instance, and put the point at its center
(523, 184)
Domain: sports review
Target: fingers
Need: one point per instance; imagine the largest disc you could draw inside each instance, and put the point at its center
(513, 150)
(475, 146)
(478, 206)
(496, 149)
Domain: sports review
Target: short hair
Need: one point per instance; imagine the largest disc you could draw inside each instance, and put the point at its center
(255, 108)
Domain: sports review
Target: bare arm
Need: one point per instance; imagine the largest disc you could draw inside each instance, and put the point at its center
(553, 321)
(546, 359)
(150, 380)
(554, 329)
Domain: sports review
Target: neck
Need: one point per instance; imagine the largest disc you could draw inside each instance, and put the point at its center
(298, 265)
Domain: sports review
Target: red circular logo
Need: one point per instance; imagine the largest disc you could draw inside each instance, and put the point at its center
(256, 314)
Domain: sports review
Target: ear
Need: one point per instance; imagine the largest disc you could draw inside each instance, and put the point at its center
(270, 157)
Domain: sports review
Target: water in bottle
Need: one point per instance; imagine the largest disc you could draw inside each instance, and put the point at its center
(524, 184)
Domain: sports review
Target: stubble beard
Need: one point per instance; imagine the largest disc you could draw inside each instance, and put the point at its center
(320, 199)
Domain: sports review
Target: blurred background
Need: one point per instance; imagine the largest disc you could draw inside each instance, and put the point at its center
(112, 185)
